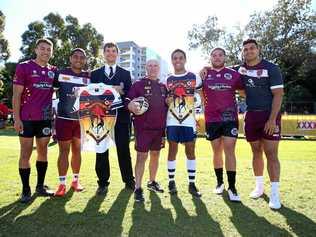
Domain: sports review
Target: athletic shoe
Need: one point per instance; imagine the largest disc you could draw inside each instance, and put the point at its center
(274, 202)
(172, 187)
(26, 197)
(233, 195)
(194, 191)
(138, 195)
(76, 186)
(102, 190)
(154, 186)
(44, 190)
(256, 193)
(219, 189)
(61, 190)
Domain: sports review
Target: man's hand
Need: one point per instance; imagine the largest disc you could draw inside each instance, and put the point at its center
(270, 126)
(133, 107)
(203, 73)
(119, 89)
(18, 125)
(169, 100)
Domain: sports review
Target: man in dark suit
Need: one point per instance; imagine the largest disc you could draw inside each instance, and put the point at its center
(112, 74)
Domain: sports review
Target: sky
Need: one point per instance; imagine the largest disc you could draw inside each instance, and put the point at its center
(160, 25)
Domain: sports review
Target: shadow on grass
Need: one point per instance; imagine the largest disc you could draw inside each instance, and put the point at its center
(248, 223)
(157, 221)
(300, 224)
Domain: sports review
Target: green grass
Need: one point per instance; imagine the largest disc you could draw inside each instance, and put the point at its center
(84, 214)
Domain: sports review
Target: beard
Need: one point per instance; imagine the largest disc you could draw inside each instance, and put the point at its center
(217, 66)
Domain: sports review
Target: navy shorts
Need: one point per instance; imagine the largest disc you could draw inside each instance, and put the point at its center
(216, 130)
(180, 134)
(42, 128)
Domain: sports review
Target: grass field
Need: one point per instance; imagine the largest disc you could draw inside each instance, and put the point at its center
(84, 214)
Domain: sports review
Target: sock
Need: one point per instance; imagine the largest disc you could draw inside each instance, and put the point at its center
(62, 180)
(231, 177)
(259, 182)
(171, 169)
(41, 167)
(75, 177)
(191, 167)
(274, 187)
(25, 177)
(219, 175)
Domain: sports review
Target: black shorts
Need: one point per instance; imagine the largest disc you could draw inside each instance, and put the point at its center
(42, 128)
(216, 130)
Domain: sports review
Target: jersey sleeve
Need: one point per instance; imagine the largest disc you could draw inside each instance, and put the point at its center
(56, 83)
(276, 80)
(20, 76)
(239, 84)
(198, 84)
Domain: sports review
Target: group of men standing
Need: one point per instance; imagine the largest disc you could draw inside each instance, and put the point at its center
(170, 113)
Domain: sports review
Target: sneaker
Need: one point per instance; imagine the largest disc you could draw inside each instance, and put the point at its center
(194, 191)
(44, 190)
(154, 186)
(138, 195)
(76, 186)
(256, 193)
(274, 202)
(26, 197)
(219, 189)
(172, 187)
(102, 190)
(61, 191)
(233, 195)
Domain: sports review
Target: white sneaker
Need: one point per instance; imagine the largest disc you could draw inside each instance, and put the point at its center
(256, 193)
(233, 195)
(219, 189)
(274, 202)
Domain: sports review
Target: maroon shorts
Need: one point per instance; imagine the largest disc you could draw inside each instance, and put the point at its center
(148, 140)
(254, 126)
(67, 129)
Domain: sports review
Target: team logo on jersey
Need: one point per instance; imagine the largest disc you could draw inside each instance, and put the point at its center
(234, 131)
(228, 76)
(242, 71)
(51, 74)
(46, 131)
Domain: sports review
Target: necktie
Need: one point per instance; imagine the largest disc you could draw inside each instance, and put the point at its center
(111, 72)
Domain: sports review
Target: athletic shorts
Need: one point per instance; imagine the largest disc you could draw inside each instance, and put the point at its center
(39, 128)
(216, 130)
(148, 140)
(67, 129)
(180, 134)
(254, 126)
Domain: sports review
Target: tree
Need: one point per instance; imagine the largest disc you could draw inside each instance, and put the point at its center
(286, 34)
(6, 75)
(4, 45)
(66, 34)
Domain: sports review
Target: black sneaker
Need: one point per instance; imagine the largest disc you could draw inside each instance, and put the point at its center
(138, 195)
(26, 197)
(194, 191)
(44, 190)
(102, 190)
(154, 186)
(172, 187)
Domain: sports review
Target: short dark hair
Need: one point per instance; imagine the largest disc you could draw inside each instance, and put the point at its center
(78, 50)
(250, 41)
(110, 45)
(218, 48)
(44, 40)
(178, 51)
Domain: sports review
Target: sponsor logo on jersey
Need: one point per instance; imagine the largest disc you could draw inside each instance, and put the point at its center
(219, 87)
(250, 83)
(42, 85)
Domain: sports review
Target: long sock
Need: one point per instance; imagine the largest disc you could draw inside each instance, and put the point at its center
(62, 180)
(219, 175)
(259, 182)
(171, 169)
(191, 167)
(41, 167)
(274, 187)
(25, 177)
(75, 177)
(231, 177)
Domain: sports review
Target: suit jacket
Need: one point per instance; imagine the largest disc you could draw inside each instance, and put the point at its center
(121, 76)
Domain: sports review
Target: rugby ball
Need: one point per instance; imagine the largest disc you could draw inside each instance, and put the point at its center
(142, 104)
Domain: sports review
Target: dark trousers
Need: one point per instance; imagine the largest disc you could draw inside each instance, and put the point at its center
(102, 166)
